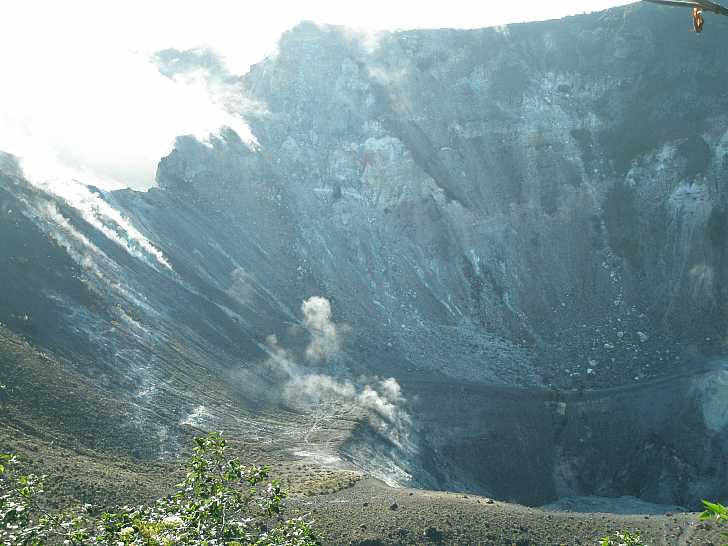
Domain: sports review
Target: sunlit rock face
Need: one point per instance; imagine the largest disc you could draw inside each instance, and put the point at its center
(540, 205)
(488, 202)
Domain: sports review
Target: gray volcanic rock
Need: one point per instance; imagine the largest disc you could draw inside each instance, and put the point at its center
(10, 164)
(552, 184)
(539, 206)
(549, 189)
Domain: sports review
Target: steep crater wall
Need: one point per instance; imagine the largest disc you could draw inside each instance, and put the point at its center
(511, 222)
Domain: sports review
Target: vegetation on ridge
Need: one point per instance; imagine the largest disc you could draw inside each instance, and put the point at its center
(716, 512)
(622, 538)
(220, 502)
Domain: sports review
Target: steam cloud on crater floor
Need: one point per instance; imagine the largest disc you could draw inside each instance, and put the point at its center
(380, 400)
(325, 335)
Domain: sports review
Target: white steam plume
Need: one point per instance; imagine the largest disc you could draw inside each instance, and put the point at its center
(380, 400)
(78, 90)
(325, 335)
(109, 221)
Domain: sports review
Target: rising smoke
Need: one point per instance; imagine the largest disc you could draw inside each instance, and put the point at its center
(325, 340)
(379, 401)
(104, 218)
(241, 285)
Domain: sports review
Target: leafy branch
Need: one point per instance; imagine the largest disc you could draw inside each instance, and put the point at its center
(220, 502)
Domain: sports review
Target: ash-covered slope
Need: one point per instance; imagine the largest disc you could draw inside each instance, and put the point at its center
(537, 205)
(539, 187)
(551, 185)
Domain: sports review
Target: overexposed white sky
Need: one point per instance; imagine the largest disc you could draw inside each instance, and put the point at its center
(80, 99)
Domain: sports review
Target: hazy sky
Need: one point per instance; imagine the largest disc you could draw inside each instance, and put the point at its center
(79, 97)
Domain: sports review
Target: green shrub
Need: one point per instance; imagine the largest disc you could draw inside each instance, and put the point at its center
(622, 538)
(220, 502)
(717, 512)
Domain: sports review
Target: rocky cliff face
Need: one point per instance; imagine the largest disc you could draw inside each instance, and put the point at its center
(541, 205)
(540, 186)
